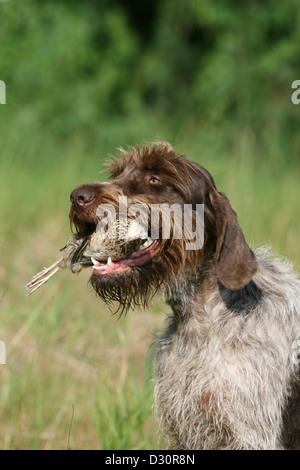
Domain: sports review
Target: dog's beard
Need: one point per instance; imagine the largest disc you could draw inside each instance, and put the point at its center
(131, 289)
(140, 284)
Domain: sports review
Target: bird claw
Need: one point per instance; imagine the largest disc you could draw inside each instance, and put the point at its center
(38, 280)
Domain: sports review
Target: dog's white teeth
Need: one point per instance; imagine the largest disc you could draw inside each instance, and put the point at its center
(95, 262)
(146, 244)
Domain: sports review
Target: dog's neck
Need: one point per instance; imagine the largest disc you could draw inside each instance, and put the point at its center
(180, 297)
(189, 294)
(186, 290)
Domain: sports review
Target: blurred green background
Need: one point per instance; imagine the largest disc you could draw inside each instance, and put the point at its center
(83, 78)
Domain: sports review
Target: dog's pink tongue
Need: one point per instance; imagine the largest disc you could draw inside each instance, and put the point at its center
(138, 258)
(109, 269)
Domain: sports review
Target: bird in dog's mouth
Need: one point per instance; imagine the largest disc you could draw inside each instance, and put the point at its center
(109, 253)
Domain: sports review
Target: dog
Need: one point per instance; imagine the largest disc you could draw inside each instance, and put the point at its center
(226, 366)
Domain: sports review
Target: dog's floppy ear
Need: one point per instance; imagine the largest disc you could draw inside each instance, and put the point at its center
(235, 262)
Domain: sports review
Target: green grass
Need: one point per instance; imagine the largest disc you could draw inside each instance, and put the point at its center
(76, 375)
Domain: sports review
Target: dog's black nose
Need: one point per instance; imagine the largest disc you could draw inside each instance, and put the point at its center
(82, 196)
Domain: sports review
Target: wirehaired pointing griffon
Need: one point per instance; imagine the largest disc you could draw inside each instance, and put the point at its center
(226, 367)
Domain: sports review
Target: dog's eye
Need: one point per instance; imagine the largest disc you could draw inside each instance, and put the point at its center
(154, 180)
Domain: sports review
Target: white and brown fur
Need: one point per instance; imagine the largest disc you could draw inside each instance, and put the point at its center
(225, 370)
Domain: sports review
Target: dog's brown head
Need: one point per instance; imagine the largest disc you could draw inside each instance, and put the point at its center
(157, 178)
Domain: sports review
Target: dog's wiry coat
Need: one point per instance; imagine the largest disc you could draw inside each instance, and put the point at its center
(226, 372)
(223, 379)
